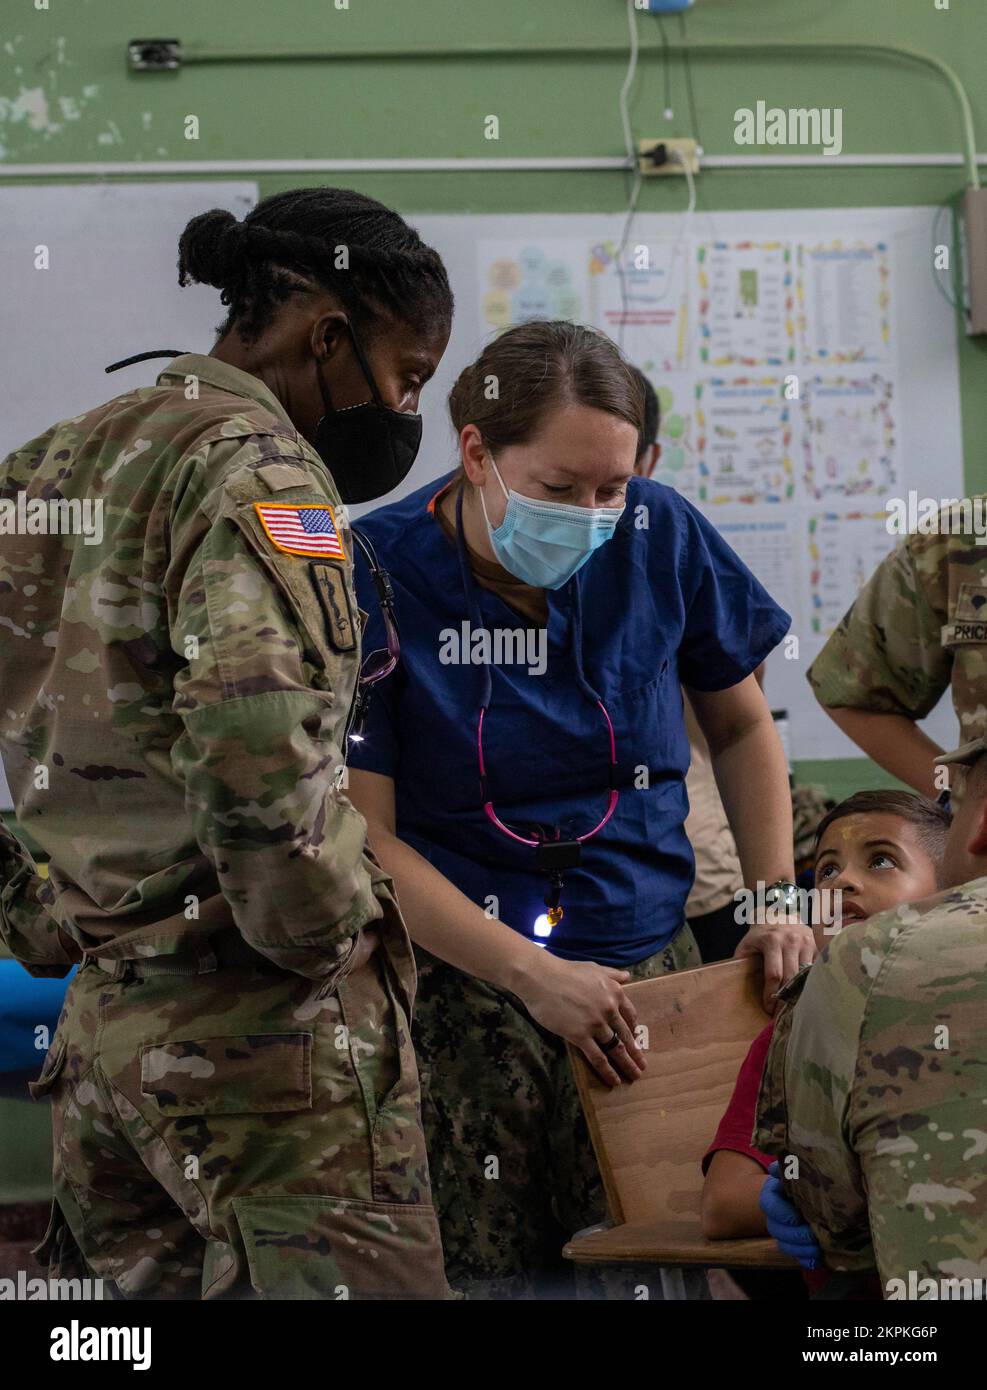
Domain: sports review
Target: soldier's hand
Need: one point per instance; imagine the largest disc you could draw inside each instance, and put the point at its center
(785, 948)
(586, 1004)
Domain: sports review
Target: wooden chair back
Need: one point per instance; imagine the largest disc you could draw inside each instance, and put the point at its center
(650, 1136)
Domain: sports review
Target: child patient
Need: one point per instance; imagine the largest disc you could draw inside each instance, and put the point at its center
(881, 848)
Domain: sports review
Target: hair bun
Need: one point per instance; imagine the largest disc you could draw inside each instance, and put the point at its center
(210, 250)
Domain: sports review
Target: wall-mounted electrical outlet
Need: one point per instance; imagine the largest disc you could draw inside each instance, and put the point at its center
(650, 156)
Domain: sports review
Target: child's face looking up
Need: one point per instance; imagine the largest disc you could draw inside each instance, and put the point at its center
(877, 860)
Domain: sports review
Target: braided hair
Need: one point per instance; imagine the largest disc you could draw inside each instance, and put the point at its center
(351, 245)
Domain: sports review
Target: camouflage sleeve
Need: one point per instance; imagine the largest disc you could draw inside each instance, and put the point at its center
(27, 929)
(803, 1104)
(264, 698)
(886, 654)
(769, 1133)
(879, 1094)
(918, 1120)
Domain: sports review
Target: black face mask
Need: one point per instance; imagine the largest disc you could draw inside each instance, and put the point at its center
(367, 448)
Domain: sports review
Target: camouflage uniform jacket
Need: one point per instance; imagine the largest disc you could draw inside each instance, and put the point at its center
(917, 628)
(876, 1081)
(176, 694)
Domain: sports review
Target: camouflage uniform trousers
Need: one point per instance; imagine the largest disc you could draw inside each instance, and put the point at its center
(514, 1175)
(230, 1134)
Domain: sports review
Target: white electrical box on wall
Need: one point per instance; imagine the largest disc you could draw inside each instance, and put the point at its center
(975, 266)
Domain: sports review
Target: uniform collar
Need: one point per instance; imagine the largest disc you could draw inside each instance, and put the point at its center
(225, 378)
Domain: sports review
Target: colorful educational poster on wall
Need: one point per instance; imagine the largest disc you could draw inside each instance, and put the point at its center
(744, 441)
(848, 436)
(843, 295)
(769, 550)
(525, 280)
(745, 304)
(806, 374)
(640, 298)
(844, 549)
(677, 464)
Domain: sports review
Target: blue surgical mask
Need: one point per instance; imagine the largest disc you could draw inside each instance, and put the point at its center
(545, 543)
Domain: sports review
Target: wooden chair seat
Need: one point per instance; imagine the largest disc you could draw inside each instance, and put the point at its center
(673, 1243)
(650, 1136)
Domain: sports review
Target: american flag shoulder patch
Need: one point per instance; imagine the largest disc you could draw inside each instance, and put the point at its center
(302, 528)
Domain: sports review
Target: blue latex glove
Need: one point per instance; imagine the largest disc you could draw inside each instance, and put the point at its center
(786, 1225)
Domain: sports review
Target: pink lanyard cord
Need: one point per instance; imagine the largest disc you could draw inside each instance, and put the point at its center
(469, 589)
(612, 800)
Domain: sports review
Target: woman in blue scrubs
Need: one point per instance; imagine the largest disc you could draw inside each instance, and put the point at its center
(522, 775)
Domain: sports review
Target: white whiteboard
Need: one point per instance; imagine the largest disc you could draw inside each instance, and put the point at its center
(898, 398)
(111, 290)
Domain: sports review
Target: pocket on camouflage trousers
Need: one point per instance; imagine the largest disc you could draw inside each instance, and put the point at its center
(331, 1248)
(253, 1074)
(51, 1070)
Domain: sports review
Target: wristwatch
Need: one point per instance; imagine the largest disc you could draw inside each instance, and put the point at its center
(783, 894)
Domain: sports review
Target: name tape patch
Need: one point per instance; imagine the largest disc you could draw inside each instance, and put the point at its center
(954, 634)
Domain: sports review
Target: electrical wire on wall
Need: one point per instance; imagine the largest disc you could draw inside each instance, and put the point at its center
(693, 115)
(634, 162)
(623, 101)
(666, 70)
(956, 297)
(690, 179)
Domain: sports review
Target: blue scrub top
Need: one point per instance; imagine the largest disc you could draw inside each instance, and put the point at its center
(665, 601)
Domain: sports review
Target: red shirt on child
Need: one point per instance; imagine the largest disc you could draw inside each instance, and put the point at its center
(737, 1125)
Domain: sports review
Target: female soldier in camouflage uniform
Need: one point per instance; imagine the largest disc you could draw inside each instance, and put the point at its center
(236, 1103)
